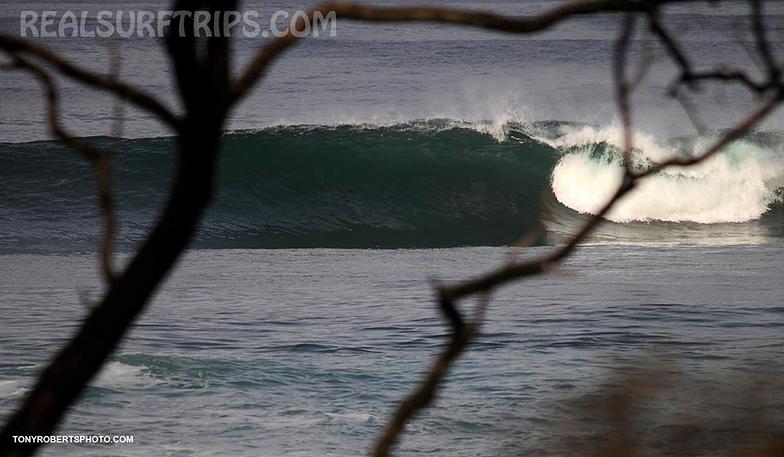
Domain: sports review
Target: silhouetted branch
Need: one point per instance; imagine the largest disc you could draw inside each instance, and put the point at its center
(691, 111)
(207, 93)
(118, 111)
(725, 75)
(761, 39)
(138, 97)
(672, 48)
(622, 87)
(485, 284)
(736, 132)
(489, 21)
(691, 78)
(421, 397)
(65, 377)
(503, 275)
(99, 160)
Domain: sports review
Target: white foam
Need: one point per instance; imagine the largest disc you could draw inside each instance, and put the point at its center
(737, 185)
(611, 134)
(10, 389)
(352, 417)
(117, 375)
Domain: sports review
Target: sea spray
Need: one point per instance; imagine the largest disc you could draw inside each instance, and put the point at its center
(739, 184)
(421, 184)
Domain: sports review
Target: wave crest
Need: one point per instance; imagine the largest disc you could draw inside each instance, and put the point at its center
(421, 184)
(739, 184)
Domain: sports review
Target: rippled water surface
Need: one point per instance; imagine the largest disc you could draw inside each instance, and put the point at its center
(304, 352)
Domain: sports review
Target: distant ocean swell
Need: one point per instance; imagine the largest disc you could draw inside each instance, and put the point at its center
(435, 183)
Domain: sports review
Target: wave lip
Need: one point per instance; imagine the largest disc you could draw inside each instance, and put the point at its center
(421, 184)
(739, 184)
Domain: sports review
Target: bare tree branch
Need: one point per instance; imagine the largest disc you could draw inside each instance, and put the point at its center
(137, 97)
(99, 160)
(690, 108)
(425, 393)
(448, 295)
(118, 110)
(724, 75)
(668, 42)
(763, 45)
(691, 78)
(622, 87)
(505, 274)
(67, 375)
(207, 94)
(489, 21)
(733, 134)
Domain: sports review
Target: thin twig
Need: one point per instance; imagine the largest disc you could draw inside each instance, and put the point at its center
(761, 39)
(137, 97)
(691, 78)
(421, 397)
(518, 25)
(733, 134)
(99, 160)
(204, 84)
(622, 86)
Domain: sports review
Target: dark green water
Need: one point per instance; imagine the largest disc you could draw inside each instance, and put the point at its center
(425, 184)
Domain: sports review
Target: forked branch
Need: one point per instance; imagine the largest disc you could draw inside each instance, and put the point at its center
(509, 24)
(137, 97)
(98, 158)
(208, 94)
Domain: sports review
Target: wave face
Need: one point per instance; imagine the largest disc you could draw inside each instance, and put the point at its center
(430, 184)
(434, 183)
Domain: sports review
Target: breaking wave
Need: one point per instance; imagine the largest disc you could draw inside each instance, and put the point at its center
(431, 183)
(738, 185)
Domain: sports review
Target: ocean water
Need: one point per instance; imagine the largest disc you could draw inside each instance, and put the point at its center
(388, 73)
(365, 166)
(305, 352)
(426, 184)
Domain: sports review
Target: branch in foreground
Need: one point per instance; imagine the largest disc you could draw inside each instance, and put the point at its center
(489, 21)
(69, 373)
(139, 98)
(623, 88)
(66, 376)
(688, 76)
(426, 391)
(462, 335)
(488, 282)
(99, 160)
